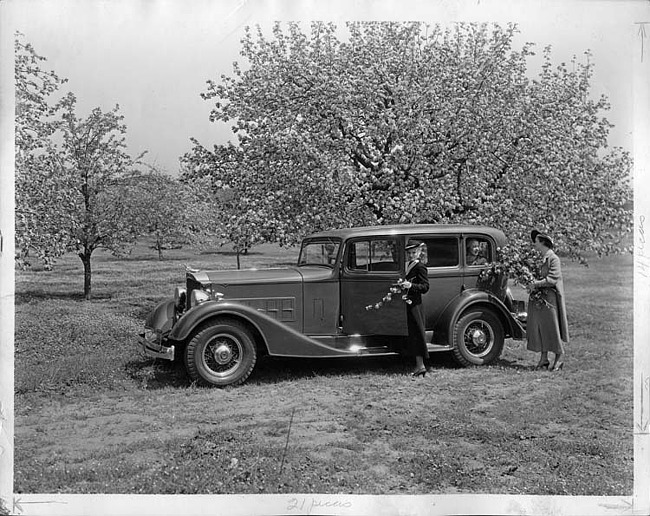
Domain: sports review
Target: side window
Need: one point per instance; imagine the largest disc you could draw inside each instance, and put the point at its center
(477, 251)
(359, 256)
(440, 252)
(373, 255)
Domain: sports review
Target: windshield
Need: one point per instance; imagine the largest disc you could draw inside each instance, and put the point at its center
(322, 251)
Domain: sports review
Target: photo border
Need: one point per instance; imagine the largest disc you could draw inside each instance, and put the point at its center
(72, 504)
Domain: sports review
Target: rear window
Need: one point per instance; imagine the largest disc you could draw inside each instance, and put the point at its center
(477, 251)
(440, 252)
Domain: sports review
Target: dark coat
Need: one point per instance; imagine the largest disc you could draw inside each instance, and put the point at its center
(419, 276)
(416, 344)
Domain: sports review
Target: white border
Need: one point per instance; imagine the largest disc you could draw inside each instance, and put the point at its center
(641, 153)
(6, 256)
(446, 10)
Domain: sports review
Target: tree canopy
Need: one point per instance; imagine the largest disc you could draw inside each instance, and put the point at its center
(70, 171)
(77, 187)
(37, 104)
(173, 213)
(412, 123)
(92, 168)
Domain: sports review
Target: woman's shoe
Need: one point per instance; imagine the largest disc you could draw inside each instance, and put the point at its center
(557, 366)
(542, 365)
(419, 372)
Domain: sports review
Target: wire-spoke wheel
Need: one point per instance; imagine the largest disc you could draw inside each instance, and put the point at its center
(478, 338)
(221, 352)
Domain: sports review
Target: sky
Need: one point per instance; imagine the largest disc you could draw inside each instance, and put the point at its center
(153, 57)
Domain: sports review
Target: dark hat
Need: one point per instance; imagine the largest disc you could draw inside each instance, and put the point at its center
(548, 241)
(413, 245)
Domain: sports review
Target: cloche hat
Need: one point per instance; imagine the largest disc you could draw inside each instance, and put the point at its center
(543, 236)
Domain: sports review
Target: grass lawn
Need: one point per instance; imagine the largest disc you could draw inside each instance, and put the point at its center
(93, 415)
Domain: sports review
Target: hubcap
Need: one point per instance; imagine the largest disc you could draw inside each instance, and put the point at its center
(222, 354)
(479, 338)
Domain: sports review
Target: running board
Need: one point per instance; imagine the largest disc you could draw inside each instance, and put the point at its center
(432, 348)
(385, 350)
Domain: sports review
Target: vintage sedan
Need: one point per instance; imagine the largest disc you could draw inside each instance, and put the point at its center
(340, 300)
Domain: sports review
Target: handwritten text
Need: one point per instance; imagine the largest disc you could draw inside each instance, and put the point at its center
(307, 504)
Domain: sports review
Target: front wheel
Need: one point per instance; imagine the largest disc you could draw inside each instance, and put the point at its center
(478, 338)
(221, 353)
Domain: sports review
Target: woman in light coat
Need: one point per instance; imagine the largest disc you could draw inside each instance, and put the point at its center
(547, 327)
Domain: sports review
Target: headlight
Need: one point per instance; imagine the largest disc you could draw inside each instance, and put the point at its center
(152, 336)
(199, 296)
(180, 295)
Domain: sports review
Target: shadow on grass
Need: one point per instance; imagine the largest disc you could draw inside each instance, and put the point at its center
(40, 295)
(156, 374)
(512, 364)
(145, 258)
(230, 253)
(272, 370)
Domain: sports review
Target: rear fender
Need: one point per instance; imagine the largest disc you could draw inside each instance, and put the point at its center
(474, 298)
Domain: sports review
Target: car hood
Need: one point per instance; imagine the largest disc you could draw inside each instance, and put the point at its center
(247, 276)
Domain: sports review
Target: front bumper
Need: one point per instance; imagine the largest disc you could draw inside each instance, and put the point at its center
(151, 343)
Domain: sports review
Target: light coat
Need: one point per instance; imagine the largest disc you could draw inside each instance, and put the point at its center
(547, 326)
(551, 276)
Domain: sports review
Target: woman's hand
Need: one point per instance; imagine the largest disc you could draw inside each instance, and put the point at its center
(406, 284)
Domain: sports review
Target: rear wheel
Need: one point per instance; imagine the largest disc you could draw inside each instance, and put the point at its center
(222, 352)
(478, 338)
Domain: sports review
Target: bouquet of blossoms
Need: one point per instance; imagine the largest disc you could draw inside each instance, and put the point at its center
(521, 267)
(395, 289)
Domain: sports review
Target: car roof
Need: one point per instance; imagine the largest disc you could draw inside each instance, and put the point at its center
(409, 229)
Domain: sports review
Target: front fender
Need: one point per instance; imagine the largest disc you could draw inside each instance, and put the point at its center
(477, 298)
(162, 317)
(279, 339)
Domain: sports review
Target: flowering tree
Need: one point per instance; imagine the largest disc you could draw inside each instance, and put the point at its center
(408, 123)
(91, 167)
(71, 172)
(174, 213)
(38, 228)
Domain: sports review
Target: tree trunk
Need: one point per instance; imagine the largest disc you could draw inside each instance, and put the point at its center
(85, 259)
(159, 248)
(238, 263)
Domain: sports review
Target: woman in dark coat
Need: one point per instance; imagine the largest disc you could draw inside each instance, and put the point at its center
(416, 283)
(547, 327)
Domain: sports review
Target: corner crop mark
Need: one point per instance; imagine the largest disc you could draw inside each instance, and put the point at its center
(18, 508)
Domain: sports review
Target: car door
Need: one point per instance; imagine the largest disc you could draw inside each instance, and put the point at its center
(442, 257)
(371, 265)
